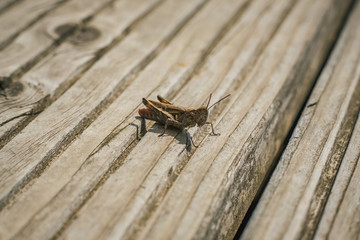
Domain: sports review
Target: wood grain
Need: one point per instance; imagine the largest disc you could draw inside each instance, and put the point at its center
(294, 199)
(139, 54)
(24, 98)
(6, 4)
(67, 63)
(77, 162)
(340, 218)
(170, 179)
(16, 19)
(161, 70)
(37, 40)
(139, 46)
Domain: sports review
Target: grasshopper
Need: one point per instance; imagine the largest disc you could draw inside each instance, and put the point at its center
(168, 114)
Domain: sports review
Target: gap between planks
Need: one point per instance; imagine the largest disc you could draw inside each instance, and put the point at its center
(117, 89)
(330, 115)
(22, 16)
(151, 139)
(292, 132)
(49, 93)
(6, 4)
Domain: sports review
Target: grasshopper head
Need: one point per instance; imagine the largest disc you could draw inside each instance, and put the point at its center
(202, 112)
(201, 115)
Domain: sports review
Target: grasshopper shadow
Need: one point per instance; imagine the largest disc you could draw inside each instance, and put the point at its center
(183, 137)
(142, 131)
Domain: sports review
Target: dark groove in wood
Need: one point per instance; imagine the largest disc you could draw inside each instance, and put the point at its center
(331, 167)
(116, 164)
(175, 91)
(252, 207)
(63, 87)
(344, 190)
(248, 69)
(9, 5)
(172, 176)
(32, 62)
(11, 38)
(87, 120)
(68, 138)
(282, 97)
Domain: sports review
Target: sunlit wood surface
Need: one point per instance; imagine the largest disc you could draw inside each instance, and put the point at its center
(76, 161)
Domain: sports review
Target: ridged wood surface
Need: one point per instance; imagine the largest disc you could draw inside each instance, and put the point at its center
(76, 161)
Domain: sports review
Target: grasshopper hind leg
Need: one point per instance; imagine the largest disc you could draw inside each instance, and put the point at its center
(163, 100)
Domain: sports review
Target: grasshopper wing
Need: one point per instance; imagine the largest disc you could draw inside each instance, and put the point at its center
(154, 113)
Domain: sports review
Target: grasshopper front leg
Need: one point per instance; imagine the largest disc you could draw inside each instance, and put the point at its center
(212, 129)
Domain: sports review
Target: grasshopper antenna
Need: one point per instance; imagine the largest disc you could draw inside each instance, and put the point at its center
(217, 101)
(209, 100)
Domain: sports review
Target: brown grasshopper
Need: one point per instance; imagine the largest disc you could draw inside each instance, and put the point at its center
(168, 114)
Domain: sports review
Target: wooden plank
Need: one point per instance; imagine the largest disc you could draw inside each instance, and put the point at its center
(229, 199)
(125, 222)
(36, 41)
(116, 197)
(294, 199)
(161, 68)
(21, 16)
(158, 176)
(136, 50)
(5, 4)
(341, 216)
(23, 98)
(67, 63)
(141, 49)
(95, 170)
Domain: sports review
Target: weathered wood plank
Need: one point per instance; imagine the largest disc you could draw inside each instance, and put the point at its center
(77, 170)
(173, 65)
(33, 43)
(126, 58)
(135, 166)
(341, 216)
(21, 16)
(25, 151)
(148, 178)
(5, 4)
(228, 202)
(22, 98)
(141, 47)
(139, 44)
(294, 199)
(67, 63)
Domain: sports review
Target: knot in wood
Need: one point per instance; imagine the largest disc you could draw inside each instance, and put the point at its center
(10, 88)
(65, 29)
(85, 34)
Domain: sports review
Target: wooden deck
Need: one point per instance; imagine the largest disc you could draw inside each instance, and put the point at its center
(76, 161)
